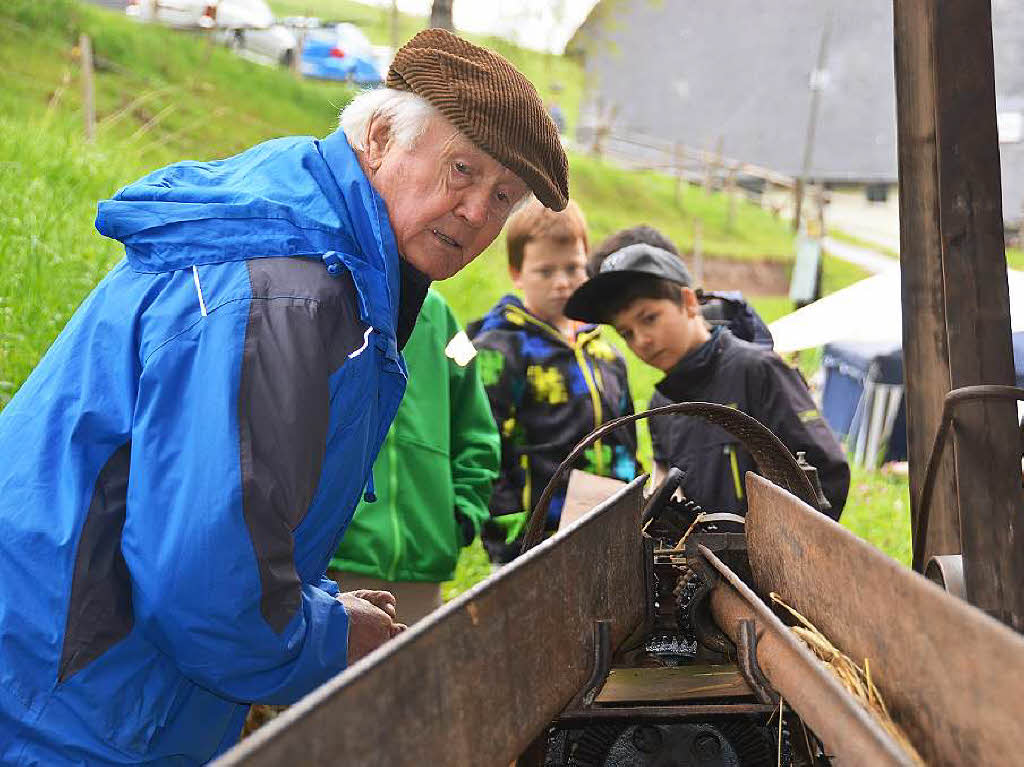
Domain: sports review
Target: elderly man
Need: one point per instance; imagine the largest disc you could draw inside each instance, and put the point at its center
(181, 465)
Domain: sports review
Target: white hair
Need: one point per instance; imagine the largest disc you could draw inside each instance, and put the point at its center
(407, 114)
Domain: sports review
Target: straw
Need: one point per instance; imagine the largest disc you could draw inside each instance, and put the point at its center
(857, 680)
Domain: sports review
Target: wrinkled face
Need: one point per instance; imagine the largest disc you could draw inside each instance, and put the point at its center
(549, 274)
(446, 198)
(660, 331)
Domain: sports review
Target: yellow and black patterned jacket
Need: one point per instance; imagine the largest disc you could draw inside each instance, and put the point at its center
(547, 392)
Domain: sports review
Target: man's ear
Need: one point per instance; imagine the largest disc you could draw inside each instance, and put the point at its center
(690, 303)
(378, 139)
(514, 274)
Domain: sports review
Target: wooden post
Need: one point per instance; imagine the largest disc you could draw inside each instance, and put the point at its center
(955, 294)
(441, 15)
(925, 350)
(394, 27)
(711, 166)
(677, 165)
(300, 44)
(730, 190)
(698, 252)
(88, 87)
(817, 85)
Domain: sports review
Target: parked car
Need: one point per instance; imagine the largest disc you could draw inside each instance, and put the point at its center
(276, 43)
(340, 52)
(247, 26)
(187, 14)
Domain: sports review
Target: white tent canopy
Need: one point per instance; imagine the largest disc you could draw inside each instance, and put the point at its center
(869, 311)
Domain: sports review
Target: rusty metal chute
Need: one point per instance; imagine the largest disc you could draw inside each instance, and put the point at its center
(951, 675)
(476, 681)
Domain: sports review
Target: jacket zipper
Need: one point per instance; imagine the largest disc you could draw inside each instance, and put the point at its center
(524, 461)
(588, 379)
(737, 485)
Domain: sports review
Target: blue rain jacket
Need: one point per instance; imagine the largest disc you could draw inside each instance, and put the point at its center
(182, 463)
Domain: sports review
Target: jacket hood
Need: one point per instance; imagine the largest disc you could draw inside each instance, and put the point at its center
(285, 197)
(497, 317)
(510, 314)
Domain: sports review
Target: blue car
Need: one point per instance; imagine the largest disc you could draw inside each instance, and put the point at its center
(340, 52)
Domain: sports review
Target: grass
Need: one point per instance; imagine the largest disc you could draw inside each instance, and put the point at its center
(862, 243)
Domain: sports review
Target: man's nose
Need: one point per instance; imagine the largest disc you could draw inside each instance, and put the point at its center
(473, 208)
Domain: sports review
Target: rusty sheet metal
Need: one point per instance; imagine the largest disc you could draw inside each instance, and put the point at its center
(951, 676)
(673, 683)
(848, 731)
(476, 681)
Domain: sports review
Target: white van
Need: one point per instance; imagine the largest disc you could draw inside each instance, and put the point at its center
(245, 25)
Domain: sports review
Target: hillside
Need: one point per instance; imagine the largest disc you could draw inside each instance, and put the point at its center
(164, 96)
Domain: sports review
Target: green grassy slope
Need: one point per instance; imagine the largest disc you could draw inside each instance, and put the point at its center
(164, 96)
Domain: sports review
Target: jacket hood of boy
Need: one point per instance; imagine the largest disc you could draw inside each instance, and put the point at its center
(295, 196)
(510, 314)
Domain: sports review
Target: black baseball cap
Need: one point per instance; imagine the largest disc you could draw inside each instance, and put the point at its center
(589, 300)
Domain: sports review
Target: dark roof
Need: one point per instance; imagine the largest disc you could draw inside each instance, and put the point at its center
(695, 71)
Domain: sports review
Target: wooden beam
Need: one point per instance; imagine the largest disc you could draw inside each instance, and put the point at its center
(925, 351)
(956, 314)
(987, 453)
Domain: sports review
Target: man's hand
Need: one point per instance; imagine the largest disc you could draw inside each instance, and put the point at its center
(385, 600)
(368, 625)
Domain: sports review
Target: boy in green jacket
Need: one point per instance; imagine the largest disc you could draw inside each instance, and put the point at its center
(432, 478)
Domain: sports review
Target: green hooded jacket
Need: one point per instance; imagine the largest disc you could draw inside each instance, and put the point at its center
(434, 474)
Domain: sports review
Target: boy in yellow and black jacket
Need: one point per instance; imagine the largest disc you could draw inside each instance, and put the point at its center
(550, 381)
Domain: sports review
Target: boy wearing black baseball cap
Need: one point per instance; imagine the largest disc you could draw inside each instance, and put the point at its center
(646, 293)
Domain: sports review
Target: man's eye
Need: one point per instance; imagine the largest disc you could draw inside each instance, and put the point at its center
(462, 168)
(503, 198)
(546, 272)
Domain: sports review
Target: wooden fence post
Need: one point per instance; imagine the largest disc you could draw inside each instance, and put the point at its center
(698, 252)
(730, 190)
(713, 161)
(677, 165)
(88, 87)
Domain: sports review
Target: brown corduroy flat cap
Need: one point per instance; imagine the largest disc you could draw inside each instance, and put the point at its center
(491, 102)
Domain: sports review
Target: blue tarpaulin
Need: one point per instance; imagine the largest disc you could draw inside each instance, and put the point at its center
(863, 401)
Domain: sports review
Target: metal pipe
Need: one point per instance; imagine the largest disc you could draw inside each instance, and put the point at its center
(846, 728)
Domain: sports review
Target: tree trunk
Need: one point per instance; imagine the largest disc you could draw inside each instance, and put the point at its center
(441, 15)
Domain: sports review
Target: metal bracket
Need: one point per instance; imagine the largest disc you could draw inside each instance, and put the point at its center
(646, 626)
(746, 657)
(599, 671)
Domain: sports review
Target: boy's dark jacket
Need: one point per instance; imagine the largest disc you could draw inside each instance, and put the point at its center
(756, 381)
(546, 394)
